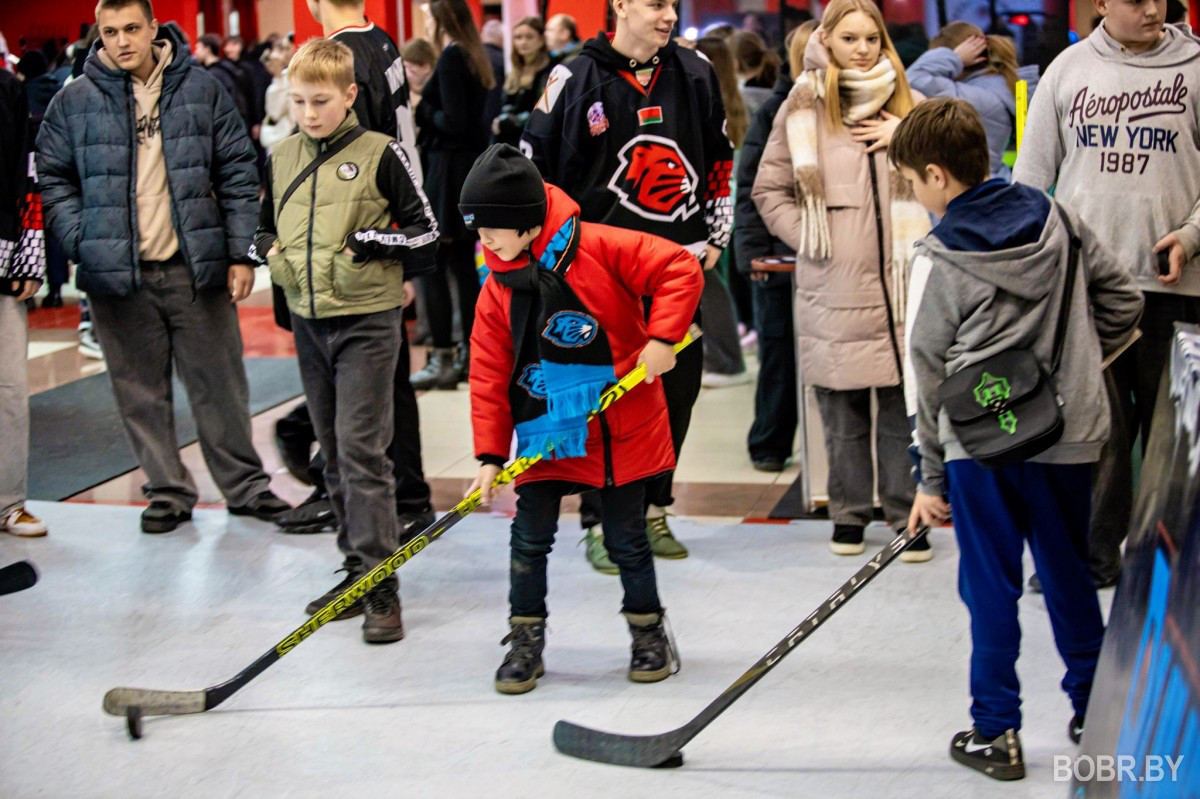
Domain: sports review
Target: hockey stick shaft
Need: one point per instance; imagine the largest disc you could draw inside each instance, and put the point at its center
(652, 750)
(118, 700)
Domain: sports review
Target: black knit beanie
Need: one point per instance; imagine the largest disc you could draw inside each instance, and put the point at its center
(503, 190)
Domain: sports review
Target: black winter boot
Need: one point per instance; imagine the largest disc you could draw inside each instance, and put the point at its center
(462, 360)
(439, 372)
(654, 657)
(523, 664)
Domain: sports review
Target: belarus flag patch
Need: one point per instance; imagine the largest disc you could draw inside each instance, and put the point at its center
(650, 116)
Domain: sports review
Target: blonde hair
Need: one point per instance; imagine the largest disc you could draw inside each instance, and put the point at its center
(1001, 52)
(322, 61)
(901, 102)
(797, 42)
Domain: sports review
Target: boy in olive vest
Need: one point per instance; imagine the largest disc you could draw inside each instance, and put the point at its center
(343, 223)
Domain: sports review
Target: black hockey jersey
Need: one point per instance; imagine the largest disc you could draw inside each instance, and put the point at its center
(638, 146)
(382, 103)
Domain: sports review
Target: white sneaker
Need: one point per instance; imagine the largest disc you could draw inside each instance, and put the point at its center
(89, 345)
(21, 522)
(716, 380)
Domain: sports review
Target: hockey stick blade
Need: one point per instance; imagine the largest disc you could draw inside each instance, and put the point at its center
(649, 751)
(118, 701)
(640, 751)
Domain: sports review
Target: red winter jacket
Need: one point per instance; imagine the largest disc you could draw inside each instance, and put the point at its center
(613, 269)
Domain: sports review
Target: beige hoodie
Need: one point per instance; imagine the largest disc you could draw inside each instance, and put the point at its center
(156, 233)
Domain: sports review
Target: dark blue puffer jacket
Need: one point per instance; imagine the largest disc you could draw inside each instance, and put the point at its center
(86, 162)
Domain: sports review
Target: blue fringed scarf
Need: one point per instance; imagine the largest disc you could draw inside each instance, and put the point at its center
(563, 362)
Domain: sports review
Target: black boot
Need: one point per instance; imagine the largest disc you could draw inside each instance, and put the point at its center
(439, 372)
(999, 758)
(462, 360)
(383, 624)
(522, 665)
(654, 657)
(313, 515)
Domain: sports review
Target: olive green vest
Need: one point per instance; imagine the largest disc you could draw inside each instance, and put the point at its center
(317, 276)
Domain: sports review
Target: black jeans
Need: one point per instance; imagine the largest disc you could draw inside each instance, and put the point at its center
(412, 492)
(533, 531)
(456, 259)
(773, 434)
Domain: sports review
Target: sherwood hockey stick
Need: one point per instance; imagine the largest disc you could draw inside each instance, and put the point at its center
(133, 703)
(663, 751)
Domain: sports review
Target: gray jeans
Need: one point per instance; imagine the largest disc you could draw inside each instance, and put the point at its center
(722, 346)
(347, 363)
(14, 404)
(846, 419)
(141, 336)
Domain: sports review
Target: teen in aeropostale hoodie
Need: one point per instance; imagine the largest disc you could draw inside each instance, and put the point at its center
(633, 129)
(1115, 129)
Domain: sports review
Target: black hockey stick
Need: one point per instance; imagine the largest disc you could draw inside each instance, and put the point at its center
(133, 703)
(649, 751)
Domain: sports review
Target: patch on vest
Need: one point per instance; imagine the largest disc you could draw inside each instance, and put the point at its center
(348, 171)
(570, 329)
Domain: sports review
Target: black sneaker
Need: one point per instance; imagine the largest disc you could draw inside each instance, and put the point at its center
(333, 593)
(999, 758)
(769, 464)
(918, 551)
(313, 515)
(163, 517)
(294, 444)
(1075, 729)
(413, 524)
(382, 624)
(265, 506)
(847, 540)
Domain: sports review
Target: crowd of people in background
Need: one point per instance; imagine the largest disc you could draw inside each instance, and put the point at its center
(799, 178)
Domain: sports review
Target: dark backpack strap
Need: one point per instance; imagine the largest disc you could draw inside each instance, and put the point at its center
(340, 145)
(1060, 332)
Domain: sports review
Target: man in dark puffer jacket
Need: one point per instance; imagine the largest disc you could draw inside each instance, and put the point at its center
(149, 183)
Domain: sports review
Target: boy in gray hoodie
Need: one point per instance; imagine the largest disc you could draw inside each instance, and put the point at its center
(1114, 130)
(989, 278)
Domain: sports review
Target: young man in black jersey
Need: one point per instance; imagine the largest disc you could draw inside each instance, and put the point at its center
(633, 129)
(381, 106)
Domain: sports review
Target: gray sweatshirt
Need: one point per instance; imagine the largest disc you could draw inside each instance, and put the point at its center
(1118, 135)
(974, 305)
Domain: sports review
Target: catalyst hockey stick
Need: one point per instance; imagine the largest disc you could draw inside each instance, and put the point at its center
(133, 703)
(662, 751)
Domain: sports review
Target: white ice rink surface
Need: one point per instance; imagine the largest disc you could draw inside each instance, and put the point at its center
(866, 707)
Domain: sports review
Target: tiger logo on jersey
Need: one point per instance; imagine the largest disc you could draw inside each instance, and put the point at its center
(655, 180)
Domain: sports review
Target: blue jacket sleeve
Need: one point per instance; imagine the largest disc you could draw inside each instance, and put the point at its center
(234, 177)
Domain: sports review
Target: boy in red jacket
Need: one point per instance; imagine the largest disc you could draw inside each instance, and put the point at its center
(558, 319)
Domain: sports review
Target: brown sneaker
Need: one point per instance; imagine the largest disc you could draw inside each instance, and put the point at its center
(382, 624)
(21, 522)
(333, 593)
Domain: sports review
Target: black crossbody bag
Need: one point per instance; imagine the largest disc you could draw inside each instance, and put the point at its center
(1006, 408)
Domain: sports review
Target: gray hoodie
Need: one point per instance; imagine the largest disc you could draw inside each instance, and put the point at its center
(973, 305)
(1119, 135)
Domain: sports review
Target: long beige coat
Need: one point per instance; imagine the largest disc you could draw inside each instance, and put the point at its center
(846, 338)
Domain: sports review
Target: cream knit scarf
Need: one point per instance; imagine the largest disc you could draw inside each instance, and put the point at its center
(863, 95)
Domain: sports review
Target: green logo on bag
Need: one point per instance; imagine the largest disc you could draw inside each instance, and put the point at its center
(992, 392)
(1008, 422)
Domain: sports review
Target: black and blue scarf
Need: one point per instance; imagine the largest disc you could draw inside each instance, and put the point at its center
(562, 361)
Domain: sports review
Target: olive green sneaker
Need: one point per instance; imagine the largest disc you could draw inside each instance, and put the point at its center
(662, 541)
(597, 555)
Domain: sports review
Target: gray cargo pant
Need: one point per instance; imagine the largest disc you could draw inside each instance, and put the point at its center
(141, 336)
(347, 364)
(846, 420)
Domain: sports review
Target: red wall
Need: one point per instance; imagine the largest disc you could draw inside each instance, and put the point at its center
(38, 21)
(589, 14)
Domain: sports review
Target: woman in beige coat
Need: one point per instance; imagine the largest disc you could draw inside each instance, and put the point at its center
(825, 188)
